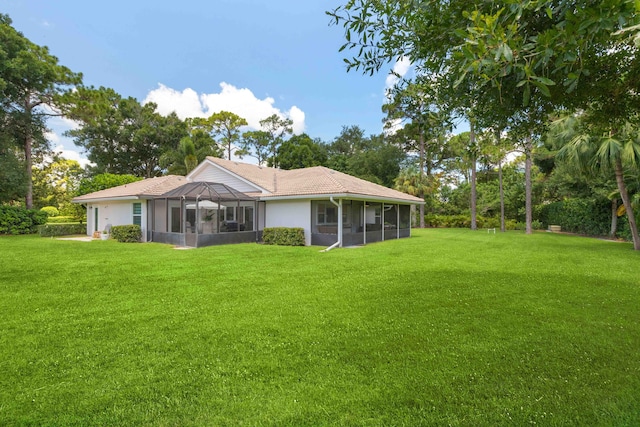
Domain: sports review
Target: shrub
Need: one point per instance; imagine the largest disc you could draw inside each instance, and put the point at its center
(16, 220)
(65, 220)
(579, 216)
(283, 236)
(51, 230)
(51, 211)
(127, 233)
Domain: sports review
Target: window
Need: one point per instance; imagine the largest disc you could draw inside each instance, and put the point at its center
(327, 213)
(137, 214)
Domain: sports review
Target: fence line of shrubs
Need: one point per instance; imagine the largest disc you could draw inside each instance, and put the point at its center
(464, 221)
(52, 230)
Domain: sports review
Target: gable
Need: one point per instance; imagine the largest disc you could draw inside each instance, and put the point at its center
(210, 172)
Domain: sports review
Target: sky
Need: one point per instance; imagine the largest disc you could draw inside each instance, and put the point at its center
(251, 57)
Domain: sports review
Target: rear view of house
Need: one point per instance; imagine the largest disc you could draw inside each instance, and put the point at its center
(223, 201)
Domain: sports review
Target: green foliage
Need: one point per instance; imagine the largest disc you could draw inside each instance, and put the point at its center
(52, 230)
(283, 236)
(104, 181)
(18, 220)
(126, 233)
(51, 211)
(591, 217)
(464, 221)
(120, 135)
(12, 171)
(300, 151)
(66, 219)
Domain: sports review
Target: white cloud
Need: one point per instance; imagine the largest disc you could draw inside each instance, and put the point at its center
(400, 68)
(240, 101)
(71, 155)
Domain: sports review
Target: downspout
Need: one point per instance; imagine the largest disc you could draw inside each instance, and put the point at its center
(339, 242)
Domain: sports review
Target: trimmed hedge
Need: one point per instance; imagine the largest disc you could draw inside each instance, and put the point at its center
(51, 230)
(579, 216)
(65, 220)
(283, 236)
(464, 221)
(17, 220)
(127, 233)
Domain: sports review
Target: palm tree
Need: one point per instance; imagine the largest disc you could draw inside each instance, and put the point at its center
(598, 151)
(412, 181)
(181, 161)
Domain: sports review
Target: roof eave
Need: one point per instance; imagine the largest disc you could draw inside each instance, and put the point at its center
(107, 199)
(350, 196)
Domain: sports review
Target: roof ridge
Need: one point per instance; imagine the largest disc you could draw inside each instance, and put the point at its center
(328, 172)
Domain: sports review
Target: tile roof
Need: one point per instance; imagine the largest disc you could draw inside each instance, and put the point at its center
(147, 187)
(314, 181)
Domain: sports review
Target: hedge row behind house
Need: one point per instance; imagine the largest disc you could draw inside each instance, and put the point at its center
(52, 230)
(17, 220)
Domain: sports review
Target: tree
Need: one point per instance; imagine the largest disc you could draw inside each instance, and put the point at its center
(300, 151)
(277, 128)
(120, 135)
(255, 143)
(525, 57)
(226, 126)
(30, 80)
(56, 183)
(599, 150)
(181, 161)
(103, 181)
(417, 101)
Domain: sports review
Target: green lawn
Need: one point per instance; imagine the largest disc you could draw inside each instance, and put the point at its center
(448, 327)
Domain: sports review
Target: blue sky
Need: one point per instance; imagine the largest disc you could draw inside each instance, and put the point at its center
(252, 57)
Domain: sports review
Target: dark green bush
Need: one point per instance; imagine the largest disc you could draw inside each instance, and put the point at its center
(17, 220)
(579, 216)
(51, 230)
(283, 236)
(127, 233)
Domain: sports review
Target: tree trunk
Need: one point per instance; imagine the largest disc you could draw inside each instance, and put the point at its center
(503, 227)
(28, 144)
(422, 224)
(624, 195)
(614, 217)
(527, 185)
(472, 144)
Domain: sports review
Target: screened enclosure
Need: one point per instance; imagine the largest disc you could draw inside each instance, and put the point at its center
(362, 222)
(203, 214)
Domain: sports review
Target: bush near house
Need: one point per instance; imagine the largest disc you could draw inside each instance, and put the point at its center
(52, 230)
(126, 233)
(17, 220)
(283, 236)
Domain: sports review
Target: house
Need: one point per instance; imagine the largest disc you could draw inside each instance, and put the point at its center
(223, 201)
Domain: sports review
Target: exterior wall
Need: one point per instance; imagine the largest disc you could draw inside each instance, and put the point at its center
(115, 213)
(211, 173)
(293, 213)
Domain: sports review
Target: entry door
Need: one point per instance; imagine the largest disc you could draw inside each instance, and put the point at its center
(95, 219)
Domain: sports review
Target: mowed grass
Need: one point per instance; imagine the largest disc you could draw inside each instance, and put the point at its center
(449, 327)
